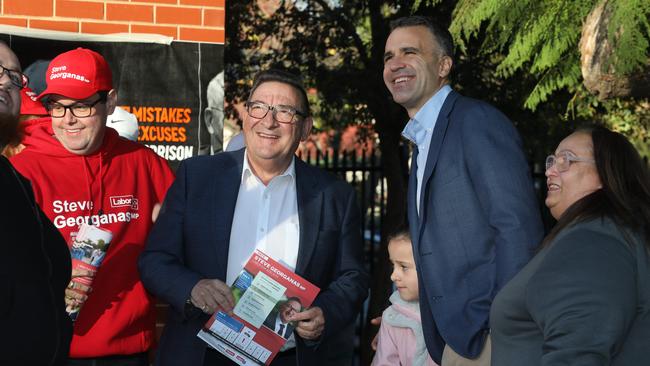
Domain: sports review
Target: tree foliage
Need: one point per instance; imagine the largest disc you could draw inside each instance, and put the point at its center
(542, 37)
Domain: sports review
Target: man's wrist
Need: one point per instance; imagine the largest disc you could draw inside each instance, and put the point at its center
(188, 308)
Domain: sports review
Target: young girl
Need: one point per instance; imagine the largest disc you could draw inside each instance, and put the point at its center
(400, 340)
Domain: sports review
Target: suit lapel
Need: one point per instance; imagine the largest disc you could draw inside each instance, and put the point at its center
(310, 201)
(225, 199)
(412, 212)
(437, 138)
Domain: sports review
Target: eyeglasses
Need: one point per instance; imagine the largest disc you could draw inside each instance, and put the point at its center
(281, 113)
(563, 161)
(290, 309)
(79, 110)
(17, 78)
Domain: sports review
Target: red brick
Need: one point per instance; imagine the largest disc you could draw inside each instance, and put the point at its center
(214, 18)
(178, 15)
(214, 3)
(13, 21)
(159, 1)
(42, 8)
(201, 35)
(153, 29)
(128, 12)
(79, 9)
(54, 25)
(103, 28)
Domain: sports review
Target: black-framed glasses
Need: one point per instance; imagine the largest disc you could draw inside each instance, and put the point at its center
(17, 78)
(79, 110)
(563, 161)
(281, 113)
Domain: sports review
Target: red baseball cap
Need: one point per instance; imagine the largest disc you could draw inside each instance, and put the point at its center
(78, 74)
(29, 103)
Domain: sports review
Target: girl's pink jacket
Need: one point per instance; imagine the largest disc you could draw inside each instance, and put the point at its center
(400, 339)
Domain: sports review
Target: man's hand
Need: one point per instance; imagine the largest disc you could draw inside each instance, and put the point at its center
(375, 321)
(76, 293)
(310, 323)
(211, 295)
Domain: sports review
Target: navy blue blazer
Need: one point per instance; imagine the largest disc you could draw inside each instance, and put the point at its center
(190, 242)
(478, 224)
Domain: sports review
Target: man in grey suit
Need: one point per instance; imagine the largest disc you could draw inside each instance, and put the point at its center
(473, 216)
(223, 207)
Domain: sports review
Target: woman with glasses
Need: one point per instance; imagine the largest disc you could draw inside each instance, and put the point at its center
(584, 299)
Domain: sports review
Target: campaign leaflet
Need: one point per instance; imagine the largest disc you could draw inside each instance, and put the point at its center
(265, 292)
(88, 248)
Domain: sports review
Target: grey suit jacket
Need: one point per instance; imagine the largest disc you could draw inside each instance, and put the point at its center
(583, 300)
(190, 242)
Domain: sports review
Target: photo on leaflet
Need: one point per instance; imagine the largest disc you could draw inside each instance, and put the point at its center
(276, 320)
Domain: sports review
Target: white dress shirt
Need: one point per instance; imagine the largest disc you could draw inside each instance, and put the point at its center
(280, 324)
(266, 218)
(420, 129)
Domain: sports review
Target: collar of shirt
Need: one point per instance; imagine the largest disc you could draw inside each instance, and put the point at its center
(421, 126)
(278, 321)
(248, 177)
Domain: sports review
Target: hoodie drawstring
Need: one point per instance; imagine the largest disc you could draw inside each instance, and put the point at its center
(101, 185)
(89, 185)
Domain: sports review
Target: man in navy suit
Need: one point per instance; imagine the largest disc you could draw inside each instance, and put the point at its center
(222, 207)
(473, 216)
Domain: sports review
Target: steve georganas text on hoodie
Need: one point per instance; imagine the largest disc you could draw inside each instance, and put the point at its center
(71, 213)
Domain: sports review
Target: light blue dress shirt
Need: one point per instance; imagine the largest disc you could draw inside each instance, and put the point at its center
(420, 129)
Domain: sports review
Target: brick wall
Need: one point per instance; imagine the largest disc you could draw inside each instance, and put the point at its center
(184, 20)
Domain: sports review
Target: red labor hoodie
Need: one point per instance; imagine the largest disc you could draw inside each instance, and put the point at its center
(116, 189)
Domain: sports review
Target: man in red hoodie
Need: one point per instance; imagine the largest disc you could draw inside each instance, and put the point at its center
(84, 173)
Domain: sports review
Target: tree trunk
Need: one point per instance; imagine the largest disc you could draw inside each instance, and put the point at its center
(596, 53)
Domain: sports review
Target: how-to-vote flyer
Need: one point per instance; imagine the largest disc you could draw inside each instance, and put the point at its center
(256, 332)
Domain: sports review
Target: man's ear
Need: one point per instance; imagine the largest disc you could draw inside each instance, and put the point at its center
(307, 124)
(111, 101)
(444, 67)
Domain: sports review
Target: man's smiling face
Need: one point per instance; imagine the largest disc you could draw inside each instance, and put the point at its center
(269, 142)
(413, 72)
